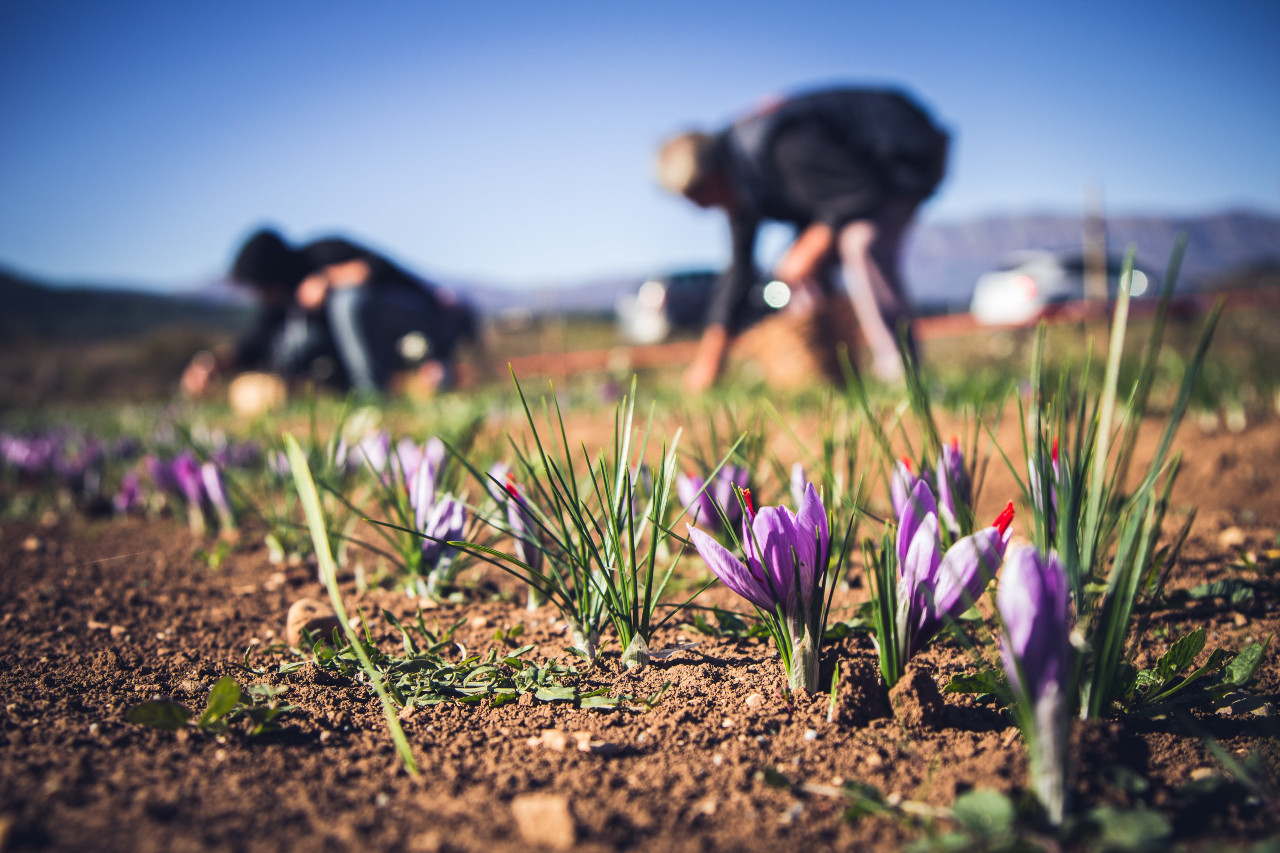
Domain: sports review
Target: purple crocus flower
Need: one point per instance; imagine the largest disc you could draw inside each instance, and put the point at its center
(1049, 509)
(1034, 601)
(130, 495)
(445, 523)
(216, 492)
(161, 474)
(706, 504)
(902, 480)
(954, 488)
(186, 472)
(786, 558)
(934, 587)
(523, 527)
(373, 450)
(781, 548)
(439, 517)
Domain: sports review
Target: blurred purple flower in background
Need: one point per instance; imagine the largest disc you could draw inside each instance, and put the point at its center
(1048, 509)
(707, 504)
(954, 487)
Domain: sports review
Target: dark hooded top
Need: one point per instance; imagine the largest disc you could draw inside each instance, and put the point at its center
(833, 156)
(267, 259)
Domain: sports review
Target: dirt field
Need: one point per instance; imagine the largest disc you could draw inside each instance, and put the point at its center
(99, 615)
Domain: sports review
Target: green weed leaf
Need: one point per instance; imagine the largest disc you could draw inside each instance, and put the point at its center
(223, 698)
(984, 812)
(160, 714)
(1245, 664)
(1181, 654)
(986, 681)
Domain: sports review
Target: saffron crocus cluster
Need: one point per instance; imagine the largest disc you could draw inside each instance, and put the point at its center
(198, 486)
(935, 587)
(784, 575)
(710, 504)
(1034, 601)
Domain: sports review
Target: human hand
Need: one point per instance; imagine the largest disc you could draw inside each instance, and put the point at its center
(806, 255)
(197, 375)
(313, 290)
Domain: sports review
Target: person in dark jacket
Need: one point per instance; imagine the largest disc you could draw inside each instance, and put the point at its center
(337, 312)
(848, 168)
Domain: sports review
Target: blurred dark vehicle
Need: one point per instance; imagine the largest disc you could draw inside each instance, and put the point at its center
(678, 302)
(1036, 283)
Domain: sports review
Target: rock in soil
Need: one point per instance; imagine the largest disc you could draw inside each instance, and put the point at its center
(545, 819)
(309, 614)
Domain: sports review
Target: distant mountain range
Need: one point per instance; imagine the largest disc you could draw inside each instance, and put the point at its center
(943, 261)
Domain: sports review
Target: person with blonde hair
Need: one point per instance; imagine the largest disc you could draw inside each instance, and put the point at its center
(848, 168)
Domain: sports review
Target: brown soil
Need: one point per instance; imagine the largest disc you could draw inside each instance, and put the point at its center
(99, 615)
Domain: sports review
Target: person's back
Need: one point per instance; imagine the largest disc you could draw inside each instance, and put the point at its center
(848, 167)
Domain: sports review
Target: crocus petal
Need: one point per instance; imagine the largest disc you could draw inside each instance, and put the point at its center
(953, 485)
(813, 535)
(965, 570)
(731, 570)
(774, 530)
(687, 488)
(1034, 604)
(211, 478)
(918, 506)
(422, 493)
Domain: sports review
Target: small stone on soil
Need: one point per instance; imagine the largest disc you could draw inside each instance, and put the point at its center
(309, 614)
(545, 819)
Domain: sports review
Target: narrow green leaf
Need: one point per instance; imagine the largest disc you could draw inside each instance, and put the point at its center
(310, 499)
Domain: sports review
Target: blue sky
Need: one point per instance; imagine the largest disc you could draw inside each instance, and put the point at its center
(511, 142)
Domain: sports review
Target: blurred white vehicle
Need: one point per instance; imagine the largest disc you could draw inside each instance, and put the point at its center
(1034, 284)
(679, 302)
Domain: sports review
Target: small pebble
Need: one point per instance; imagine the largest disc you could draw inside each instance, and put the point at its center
(754, 701)
(810, 734)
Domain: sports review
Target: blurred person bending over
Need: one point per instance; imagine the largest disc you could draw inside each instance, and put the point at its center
(336, 312)
(848, 168)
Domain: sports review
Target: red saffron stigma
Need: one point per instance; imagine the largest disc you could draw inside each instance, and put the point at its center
(1055, 449)
(1004, 519)
(510, 486)
(746, 498)
(906, 463)
(955, 443)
